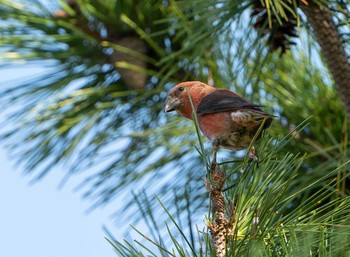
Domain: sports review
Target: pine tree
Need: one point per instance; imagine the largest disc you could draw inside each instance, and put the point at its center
(97, 106)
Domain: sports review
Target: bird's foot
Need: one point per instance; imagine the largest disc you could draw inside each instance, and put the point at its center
(252, 155)
(214, 166)
(215, 180)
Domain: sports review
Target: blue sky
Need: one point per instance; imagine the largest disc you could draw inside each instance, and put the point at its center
(41, 221)
(38, 220)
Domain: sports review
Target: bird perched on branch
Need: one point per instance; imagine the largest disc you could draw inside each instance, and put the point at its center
(226, 119)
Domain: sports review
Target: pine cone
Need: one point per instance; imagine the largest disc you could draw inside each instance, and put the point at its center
(279, 35)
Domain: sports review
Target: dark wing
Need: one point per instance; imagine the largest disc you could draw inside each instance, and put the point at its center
(223, 101)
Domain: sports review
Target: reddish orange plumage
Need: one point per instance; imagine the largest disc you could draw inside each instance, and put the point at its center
(225, 118)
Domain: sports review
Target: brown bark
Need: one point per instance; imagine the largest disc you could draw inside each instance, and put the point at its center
(131, 77)
(332, 48)
(218, 226)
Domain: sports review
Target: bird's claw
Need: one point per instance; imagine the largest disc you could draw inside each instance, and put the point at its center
(214, 164)
(252, 155)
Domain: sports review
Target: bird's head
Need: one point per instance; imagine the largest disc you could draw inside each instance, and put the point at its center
(178, 97)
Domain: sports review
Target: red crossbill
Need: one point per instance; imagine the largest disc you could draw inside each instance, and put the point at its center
(226, 119)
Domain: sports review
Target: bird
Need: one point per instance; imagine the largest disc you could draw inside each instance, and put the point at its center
(228, 120)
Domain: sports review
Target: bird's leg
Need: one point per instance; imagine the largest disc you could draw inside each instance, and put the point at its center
(213, 162)
(215, 145)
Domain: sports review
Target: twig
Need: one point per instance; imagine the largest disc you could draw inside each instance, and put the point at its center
(218, 223)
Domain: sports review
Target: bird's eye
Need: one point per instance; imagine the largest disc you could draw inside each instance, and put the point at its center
(181, 89)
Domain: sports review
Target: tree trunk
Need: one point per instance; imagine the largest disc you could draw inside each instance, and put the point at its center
(327, 35)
